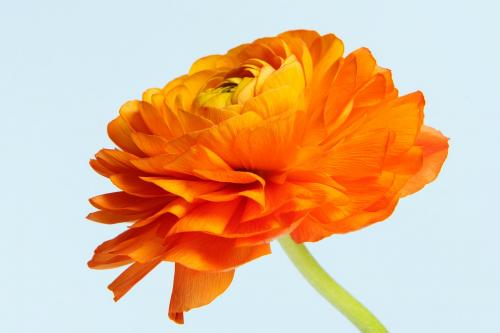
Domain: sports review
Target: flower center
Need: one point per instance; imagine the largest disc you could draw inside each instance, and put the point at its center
(219, 96)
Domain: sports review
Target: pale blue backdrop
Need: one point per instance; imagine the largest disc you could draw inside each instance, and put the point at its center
(65, 68)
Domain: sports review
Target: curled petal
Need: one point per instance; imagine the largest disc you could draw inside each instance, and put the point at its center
(435, 150)
(134, 185)
(133, 274)
(186, 189)
(193, 289)
(120, 132)
(202, 252)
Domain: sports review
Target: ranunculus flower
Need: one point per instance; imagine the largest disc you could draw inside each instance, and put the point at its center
(280, 136)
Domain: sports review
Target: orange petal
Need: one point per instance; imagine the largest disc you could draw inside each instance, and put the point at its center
(177, 207)
(100, 168)
(229, 193)
(117, 216)
(262, 230)
(154, 165)
(273, 102)
(435, 151)
(299, 43)
(108, 260)
(148, 94)
(142, 244)
(289, 221)
(365, 218)
(129, 236)
(308, 36)
(193, 289)
(191, 122)
(186, 189)
(205, 252)
(114, 161)
(136, 186)
(221, 139)
(133, 274)
(120, 132)
(150, 144)
(209, 62)
(212, 218)
(229, 176)
(407, 163)
(401, 117)
(217, 115)
(277, 47)
(198, 157)
(310, 230)
(289, 74)
(130, 113)
(291, 196)
(404, 118)
(325, 51)
(357, 69)
(316, 227)
(251, 146)
(361, 154)
(125, 201)
(154, 117)
(378, 88)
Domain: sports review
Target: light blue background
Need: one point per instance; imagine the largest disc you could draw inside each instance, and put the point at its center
(66, 67)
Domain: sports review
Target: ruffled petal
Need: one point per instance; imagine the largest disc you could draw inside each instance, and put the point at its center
(109, 260)
(273, 102)
(112, 161)
(120, 132)
(209, 218)
(134, 185)
(290, 74)
(202, 252)
(435, 150)
(186, 189)
(125, 201)
(193, 289)
(133, 274)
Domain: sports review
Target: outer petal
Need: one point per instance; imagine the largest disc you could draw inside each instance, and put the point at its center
(359, 155)
(112, 161)
(122, 200)
(210, 218)
(186, 189)
(136, 186)
(280, 132)
(120, 132)
(356, 70)
(108, 260)
(290, 74)
(210, 62)
(435, 151)
(193, 289)
(133, 274)
(117, 216)
(273, 102)
(211, 253)
(313, 229)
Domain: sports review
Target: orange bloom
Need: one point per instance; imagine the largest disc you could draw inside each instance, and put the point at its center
(280, 136)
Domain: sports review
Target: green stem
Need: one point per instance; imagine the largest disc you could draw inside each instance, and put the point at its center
(360, 316)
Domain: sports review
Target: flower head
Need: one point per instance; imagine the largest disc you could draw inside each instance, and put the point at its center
(280, 136)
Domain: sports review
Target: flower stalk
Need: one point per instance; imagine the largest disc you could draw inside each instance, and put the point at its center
(333, 292)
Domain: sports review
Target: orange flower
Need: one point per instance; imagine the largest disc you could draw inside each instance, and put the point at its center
(280, 136)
